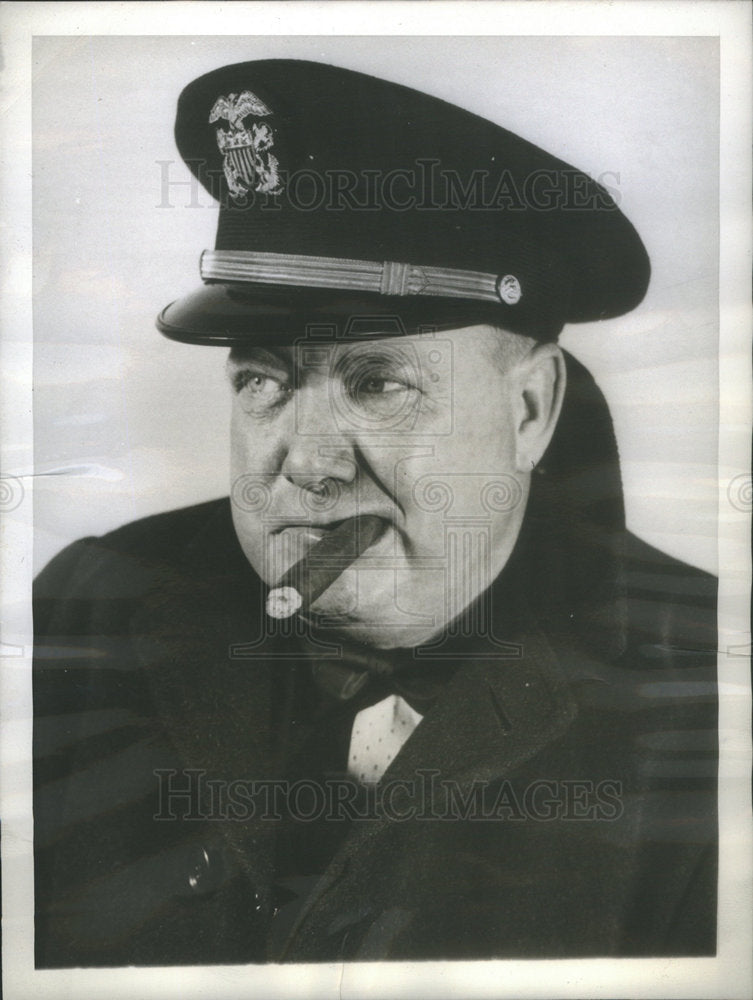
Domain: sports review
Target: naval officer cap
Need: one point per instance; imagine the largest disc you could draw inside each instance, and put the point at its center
(342, 195)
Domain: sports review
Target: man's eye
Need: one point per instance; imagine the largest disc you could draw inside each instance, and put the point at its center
(259, 384)
(381, 396)
(259, 390)
(376, 385)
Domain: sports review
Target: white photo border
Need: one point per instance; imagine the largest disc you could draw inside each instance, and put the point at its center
(729, 975)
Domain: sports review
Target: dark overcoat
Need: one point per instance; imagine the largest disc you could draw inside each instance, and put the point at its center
(557, 800)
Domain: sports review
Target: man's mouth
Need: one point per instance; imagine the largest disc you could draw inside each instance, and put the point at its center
(297, 539)
(313, 525)
(303, 534)
(322, 562)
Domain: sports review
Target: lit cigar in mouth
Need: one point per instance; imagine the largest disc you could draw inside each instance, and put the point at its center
(322, 564)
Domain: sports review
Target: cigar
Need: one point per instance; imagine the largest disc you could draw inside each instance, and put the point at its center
(323, 563)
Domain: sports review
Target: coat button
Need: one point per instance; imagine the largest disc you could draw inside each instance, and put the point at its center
(204, 871)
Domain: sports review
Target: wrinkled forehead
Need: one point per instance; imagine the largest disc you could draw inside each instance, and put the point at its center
(469, 343)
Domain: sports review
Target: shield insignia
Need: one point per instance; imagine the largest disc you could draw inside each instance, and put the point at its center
(249, 164)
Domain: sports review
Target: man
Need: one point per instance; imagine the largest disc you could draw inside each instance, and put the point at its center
(488, 733)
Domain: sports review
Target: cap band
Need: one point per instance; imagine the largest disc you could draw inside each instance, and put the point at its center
(387, 277)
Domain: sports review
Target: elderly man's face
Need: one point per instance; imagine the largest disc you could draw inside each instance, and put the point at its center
(422, 431)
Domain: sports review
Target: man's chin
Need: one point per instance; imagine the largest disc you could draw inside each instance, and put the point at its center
(378, 636)
(374, 618)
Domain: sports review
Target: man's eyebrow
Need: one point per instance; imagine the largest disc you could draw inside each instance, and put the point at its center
(241, 357)
(378, 353)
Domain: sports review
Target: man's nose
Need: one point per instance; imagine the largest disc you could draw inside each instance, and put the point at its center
(318, 446)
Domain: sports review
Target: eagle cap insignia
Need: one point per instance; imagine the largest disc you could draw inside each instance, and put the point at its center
(248, 163)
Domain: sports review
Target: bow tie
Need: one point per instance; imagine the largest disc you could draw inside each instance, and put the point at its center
(363, 676)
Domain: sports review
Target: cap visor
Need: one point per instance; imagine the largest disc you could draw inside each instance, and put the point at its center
(226, 314)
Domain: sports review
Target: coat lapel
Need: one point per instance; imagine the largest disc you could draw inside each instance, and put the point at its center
(491, 717)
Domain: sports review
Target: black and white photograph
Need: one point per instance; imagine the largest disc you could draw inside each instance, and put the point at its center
(383, 497)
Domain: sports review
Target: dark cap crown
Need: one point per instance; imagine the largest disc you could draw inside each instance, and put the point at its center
(342, 193)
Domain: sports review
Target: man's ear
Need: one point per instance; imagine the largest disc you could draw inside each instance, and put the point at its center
(539, 390)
